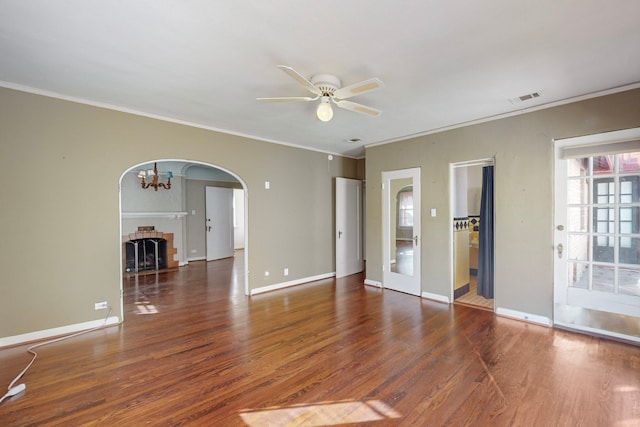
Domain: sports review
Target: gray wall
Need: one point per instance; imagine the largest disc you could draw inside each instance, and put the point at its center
(60, 165)
(522, 147)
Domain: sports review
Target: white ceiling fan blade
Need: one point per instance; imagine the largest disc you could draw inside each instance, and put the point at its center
(358, 108)
(287, 99)
(300, 79)
(358, 88)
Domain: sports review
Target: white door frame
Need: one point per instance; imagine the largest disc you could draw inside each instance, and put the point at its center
(489, 161)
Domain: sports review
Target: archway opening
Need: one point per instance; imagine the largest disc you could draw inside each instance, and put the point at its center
(178, 213)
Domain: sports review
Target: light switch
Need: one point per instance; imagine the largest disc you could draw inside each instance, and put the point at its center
(433, 212)
(267, 185)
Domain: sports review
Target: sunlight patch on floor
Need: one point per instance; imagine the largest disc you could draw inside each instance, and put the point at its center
(143, 308)
(319, 414)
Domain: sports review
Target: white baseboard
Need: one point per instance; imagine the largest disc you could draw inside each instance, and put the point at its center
(436, 297)
(527, 317)
(291, 283)
(373, 283)
(55, 332)
(199, 258)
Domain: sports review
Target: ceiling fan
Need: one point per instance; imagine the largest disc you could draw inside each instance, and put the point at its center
(328, 88)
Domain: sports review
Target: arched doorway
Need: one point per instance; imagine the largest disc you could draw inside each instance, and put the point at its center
(166, 214)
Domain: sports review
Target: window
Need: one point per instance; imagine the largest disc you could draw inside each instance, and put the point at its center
(405, 207)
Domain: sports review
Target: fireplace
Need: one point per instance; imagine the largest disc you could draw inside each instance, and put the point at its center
(148, 250)
(145, 254)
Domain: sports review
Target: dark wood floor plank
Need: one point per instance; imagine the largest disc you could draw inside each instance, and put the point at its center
(193, 350)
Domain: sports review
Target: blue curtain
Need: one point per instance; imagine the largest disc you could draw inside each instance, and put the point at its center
(485, 249)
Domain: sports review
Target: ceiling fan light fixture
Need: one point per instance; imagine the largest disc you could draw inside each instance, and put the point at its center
(324, 111)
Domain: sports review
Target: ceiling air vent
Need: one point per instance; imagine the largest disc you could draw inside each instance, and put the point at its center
(526, 97)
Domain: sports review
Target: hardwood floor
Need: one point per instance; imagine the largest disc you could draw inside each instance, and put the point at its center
(195, 351)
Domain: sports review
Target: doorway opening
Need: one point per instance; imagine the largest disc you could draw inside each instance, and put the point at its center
(179, 212)
(472, 222)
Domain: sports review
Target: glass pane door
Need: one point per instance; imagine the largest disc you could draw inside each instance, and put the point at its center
(602, 248)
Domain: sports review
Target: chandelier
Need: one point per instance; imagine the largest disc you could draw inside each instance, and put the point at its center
(153, 175)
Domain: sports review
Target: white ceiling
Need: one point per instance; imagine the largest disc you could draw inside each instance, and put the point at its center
(444, 63)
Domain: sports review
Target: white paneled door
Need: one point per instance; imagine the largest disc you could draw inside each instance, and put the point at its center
(219, 222)
(349, 258)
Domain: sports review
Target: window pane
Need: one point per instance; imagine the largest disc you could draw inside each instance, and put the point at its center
(629, 189)
(628, 251)
(628, 219)
(578, 191)
(603, 278)
(604, 190)
(629, 162)
(577, 167)
(578, 275)
(578, 219)
(603, 165)
(629, 281)
(625, 214)
(578, 247)
(603, 248)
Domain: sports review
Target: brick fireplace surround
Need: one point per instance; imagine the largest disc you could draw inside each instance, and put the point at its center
(171, 250)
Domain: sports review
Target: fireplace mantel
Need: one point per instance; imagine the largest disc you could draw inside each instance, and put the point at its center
(168, 215)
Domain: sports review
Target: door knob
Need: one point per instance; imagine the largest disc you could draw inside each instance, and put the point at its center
(560, 248)
(339, 234)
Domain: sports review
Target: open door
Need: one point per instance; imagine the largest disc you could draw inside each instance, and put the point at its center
(349, 257)
(401, 230)
(219, 222)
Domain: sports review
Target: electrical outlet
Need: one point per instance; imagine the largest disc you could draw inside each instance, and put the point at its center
(266, 274)
(286, 271)
(101, 305)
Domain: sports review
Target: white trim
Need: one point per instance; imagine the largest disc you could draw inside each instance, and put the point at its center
(291, 283)
(170, 215)
(599, 138)
(200, 258)
(601, 332)
(526, 317)
(453, 189)
(510, 114)
(373, 283)
(614, 142)
(54, 332)
(436, 297)
(489, 161)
